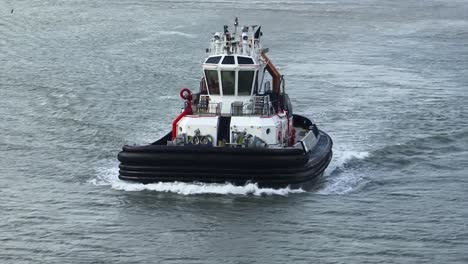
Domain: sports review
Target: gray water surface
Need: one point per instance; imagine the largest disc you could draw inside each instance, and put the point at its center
(387, 80)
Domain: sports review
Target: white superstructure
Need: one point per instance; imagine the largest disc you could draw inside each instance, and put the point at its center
(241, 101)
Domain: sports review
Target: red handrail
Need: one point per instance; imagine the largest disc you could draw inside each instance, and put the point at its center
(187, 96)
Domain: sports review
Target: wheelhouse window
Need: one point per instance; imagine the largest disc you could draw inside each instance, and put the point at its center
(229, 81)
(212, 81)
(244, 60)
(245, 82)
(228, 60)
(213, 60)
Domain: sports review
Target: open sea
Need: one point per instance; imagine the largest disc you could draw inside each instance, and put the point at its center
(388, 80)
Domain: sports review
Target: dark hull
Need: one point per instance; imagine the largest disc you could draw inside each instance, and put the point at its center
(273, 168)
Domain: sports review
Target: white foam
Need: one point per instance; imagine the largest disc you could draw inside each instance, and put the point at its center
(176, 33)
(343, 184)
(340, 158)
(108, 176)
(340, 180)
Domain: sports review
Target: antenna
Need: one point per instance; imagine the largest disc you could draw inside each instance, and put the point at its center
(236, 23)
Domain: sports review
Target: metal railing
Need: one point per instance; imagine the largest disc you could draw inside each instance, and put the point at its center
(258, 106)
(204, 107)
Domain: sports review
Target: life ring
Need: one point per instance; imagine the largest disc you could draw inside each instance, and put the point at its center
(185, 94)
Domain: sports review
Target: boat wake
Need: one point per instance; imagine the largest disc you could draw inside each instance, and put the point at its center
(339, 178)
(108, 176)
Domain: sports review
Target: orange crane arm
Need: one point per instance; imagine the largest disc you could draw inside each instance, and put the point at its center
(273, 72)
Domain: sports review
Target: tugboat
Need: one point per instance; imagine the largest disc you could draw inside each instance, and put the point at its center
(239, 128)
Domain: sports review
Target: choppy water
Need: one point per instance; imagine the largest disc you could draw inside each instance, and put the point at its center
(387, 80)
